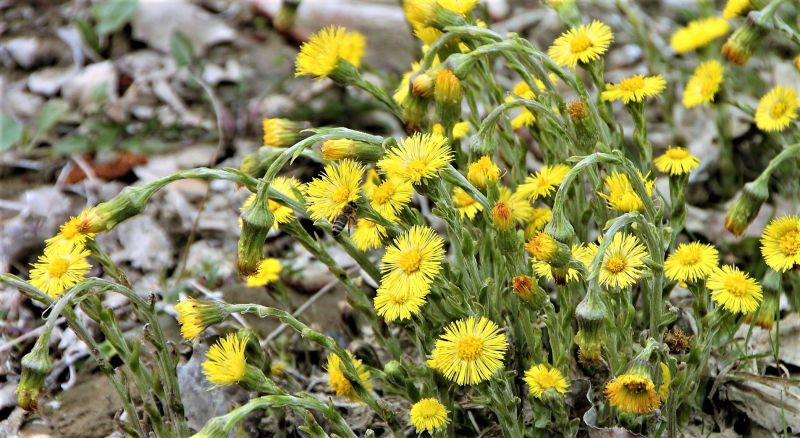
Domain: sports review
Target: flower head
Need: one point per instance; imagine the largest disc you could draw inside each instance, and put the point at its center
(734, 290)
(225, 362)
(704, 84)
(194, 316)
(269, 270)
(583, 44)
(777, 109)
(394, 304)
(338, 381)
(482, 172)
(368, 235)
(544, 182)
(525, 118)
(633, 393)
(510, 208)
(417, 158)
(281, 133)
(466, 205)
(470, 351)
(698, 33)
(60, 267)
(541, 377)
(413, 261)
(621, 195)
(780, 243)
(390, 196)
(635, 88)
(428, 414)
(623, 261)
(735, 8)
(676, 161)
(582, 253)
(321, 54)
(77, 230)
(539, 218)
(338, 185)
(691, 262)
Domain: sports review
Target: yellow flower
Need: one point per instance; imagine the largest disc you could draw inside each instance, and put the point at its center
(394, 304)
(539, 218)
(482, 172)
(194, 316)
(371, 182)
(225, 362)
(466, 205)
(633, 393)
(676, 161)
(777, 109)
(525, 118)
(542, 247)
(621, 195)
(417, 158)
(390, 197)
(321, 54)
(60, 267)
(281, 133)
(512, 207)
(691, 262)
(413, 261)
(780, 243)
(703, 84)
(735, 8)
(368, 235)
(280, 212)
(584, 254)
(428, 414)
(734, 290)
(269, 270)
(623, 261)
(698, 33)
(338, 185)
(76, 231)
(339, 383)
(544, 182)
(470, 351)
(635, 88)
(582, 44)
(666, 380)
(541, 377)
(460, 130)
(462, 7)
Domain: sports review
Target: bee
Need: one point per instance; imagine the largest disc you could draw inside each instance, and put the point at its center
(347, 218)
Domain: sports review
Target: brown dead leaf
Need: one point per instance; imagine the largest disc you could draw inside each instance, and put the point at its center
(118, 167)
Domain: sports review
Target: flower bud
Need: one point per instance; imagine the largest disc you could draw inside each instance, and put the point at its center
(395, 372)
(744, 41)
(549, 250)
(448, 94)
(591, 316)
(342, 148)
(415, 111)
(585, 131)
(285, 19)
(214, 428)
(256, 223)
(528, 290)
(430, 13)
(194, 316)
(256, 163)
(501, 216)
(742, 212)
(130, 202)
(771, 287)
(282, 133)
(423, 85)
(677, 341)
(35, 366)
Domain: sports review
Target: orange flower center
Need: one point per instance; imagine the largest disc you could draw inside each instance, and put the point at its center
(580, 43)
(615, 264)
(410, 261)
(470, 348)
(790, 243)
(634, 83)
(58, 267)
(340, 195)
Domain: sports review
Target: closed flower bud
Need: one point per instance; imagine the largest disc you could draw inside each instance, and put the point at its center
(35, 366)
(549, 250)
(423, 85)
(745, 209)
(577, 110)
(741, 45)
(771, 288)
(256, 163)
(130, 202)
(448, 94)
(256, 223)
(415, 110)
(528, 290)
(591, 316)
(214, 428)
(342, 148)
(282, 133)
(502, 217)
(395, 372)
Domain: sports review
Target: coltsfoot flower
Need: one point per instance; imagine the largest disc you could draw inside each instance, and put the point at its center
(281, 133)
(394, 304)
(676, 161)
(698, 33)
(269, 270)
(482, 172)
(194, 316)
(412, 262)
(62, 266)
(338, 381)
(634, 393)
(321, 54)
(582, 253)
(780, 243)
(542, 377)
(539, 218)
(470, 351)
(428, 414)
(777, 109)
(734, 290)
(544, 182)
(329, 193)
(691, 262)
(466, 205)
(417, 158)
(621, 195)
(623, 261)
(583, 44)
(368, 235)
(635, 88)
(225, 362)
(704, 84)
(280, 212)
(77, 230)
(390, 196)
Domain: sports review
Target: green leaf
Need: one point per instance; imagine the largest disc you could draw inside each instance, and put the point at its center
(10, 132)
(106, 135)
(50, 114)
(88, 34)
(71, 145)
(182, 49)
(111, 15)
